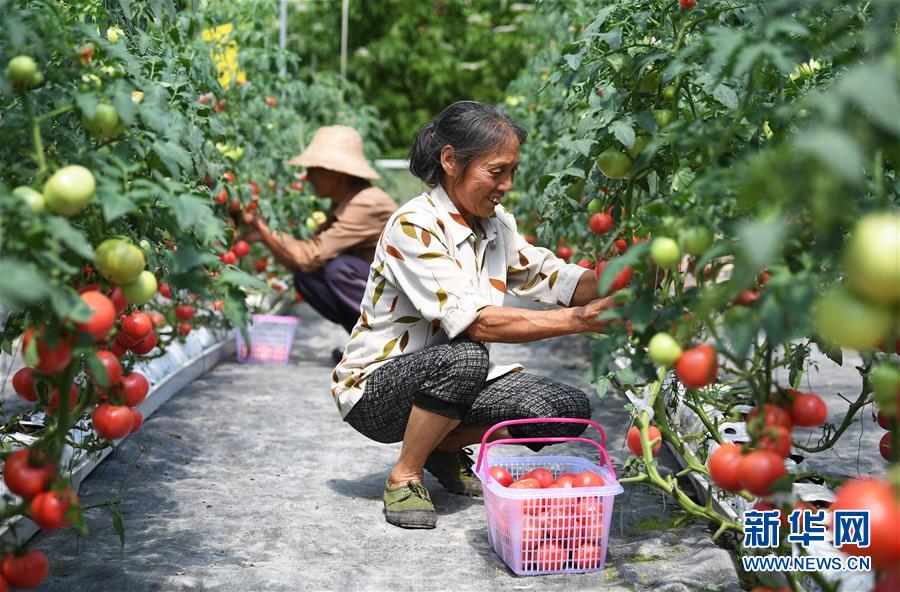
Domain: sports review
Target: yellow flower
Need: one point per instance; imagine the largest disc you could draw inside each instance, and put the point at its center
(767, 131)
(113, 34)
(137, 96)
(806, 69)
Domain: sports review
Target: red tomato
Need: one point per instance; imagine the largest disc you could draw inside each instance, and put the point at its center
(697, 366)
(884, 446)
(532, 531)
(541, 475)
(103, 315)
(564, 253)
(110, 362)
(634, 440)
(145, 345)
(118, 349)
(228, 258)
(52, 359)
(588, 479)
(588, 556)
(530, 239)
(23, 384)
(49, 508)
(165, 290)
(808, 409)
(28, 570)
(118, 299)
(774, 415)
(241, 249)
(585, 264)
(551, 556)
(622, 279)
(777, 439)
(112, 421)
(559, 520)
(54, 399)
(137, 325)
(724, 464)
(500, 475)
(271, 102)
(229, 176)
(687, 4)
(261, 264)
(589, 515)
(883, 420)
(600, 223)
(24, 477)
(759, 469)
(746, 298)
(184, 313)
(135, 387)
(138, 420)
(184, 328)
(621, 245)
(157, 318)
(565, 480)
(878, 497)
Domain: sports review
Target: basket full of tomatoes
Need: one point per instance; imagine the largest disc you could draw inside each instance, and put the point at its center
(548, 514)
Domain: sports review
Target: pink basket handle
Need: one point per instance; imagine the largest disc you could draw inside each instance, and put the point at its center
(485, 445)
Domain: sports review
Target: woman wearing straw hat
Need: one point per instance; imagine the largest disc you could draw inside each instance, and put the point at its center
(417, 368)
(331, 267)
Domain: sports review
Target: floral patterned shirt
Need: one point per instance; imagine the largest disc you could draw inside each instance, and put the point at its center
(432, 275)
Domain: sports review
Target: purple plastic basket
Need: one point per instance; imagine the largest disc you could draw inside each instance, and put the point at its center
(271, 338)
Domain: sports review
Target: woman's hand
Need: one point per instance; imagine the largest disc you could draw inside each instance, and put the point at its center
(593, 309)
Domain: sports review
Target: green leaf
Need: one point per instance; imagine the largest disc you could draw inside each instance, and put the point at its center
(186, 258)
(681, 179)
(241, 279)
(21, 285)
(189, 209)
(881, 96)
(114, 203)
(173, 156)
(583, 147)
(602, 385)
(73, 238)
(726, 96)
(760, 241)
(623, 131)
(834, 148)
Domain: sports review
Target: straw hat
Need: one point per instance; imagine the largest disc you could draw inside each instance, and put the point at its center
(336, 148)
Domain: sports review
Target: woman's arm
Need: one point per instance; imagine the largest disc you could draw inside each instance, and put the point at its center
(505, 324)
(585, 289)
(284, 248)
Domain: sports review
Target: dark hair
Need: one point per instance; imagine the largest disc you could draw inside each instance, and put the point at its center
(470, 127)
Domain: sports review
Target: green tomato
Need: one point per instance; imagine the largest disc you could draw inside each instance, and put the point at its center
(104, 121)
(872, 257)
(665, 252)
(33, 199)
(141, 290)
(144, 245)
(575, 189)
(696, 240)
(119, 261)
(663, 116)
(69, 190)
(650, 80)
(22, 71)
(885, 382)
(311, 223)
(640, 142)
(846, 321)
(595, 206)
(664, 350)
(668, 92)
(613, 163)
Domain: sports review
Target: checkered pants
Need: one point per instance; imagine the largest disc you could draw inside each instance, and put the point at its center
(453, 376)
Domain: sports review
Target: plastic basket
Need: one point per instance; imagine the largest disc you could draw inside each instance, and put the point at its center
(271, 338)
(553, 530)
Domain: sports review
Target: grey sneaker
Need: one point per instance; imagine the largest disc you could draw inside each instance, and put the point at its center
(454, 471)
(409, 506)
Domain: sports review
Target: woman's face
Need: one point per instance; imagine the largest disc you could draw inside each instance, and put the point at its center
(324, 181)
(478, 190)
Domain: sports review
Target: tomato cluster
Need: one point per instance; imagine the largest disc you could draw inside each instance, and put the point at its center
(557, 532)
